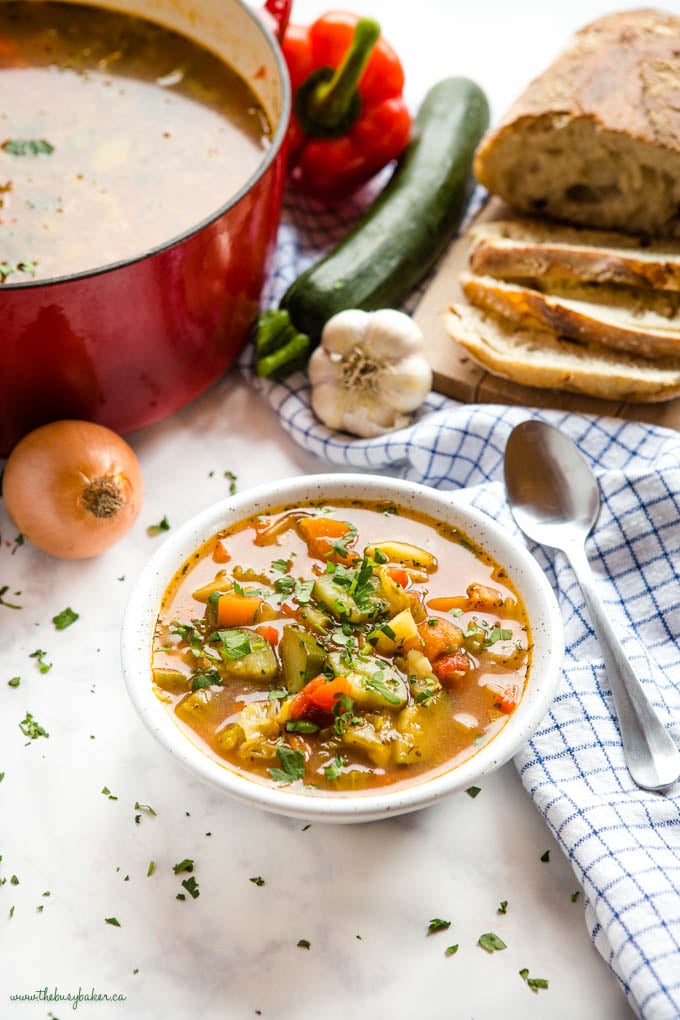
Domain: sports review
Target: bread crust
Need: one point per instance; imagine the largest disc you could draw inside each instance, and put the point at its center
(581, 320)
(611, 100)
(535, 357)
(523, 249)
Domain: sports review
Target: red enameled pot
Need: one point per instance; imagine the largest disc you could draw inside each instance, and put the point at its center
(130, 343)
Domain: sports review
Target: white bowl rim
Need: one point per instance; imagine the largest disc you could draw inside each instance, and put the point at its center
(546, 624)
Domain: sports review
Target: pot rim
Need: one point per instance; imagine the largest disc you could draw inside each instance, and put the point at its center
(271, 154)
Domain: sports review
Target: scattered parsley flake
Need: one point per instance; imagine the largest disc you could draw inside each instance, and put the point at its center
(503, 907)
(19, 540)
(545, 857)
(491, 942)
(232, 482)
(14, 682)
(575, 895)
(186, 865)
(437, 924)
(7, 605)
(472, 791)
(39, 654)
(113, 921)
(334, 769)
(280, 565)
(2, 776)
(533, 983)
(27, 147)
(144, 807)
(31, 728)
(304, 944)
(156, 529)
(14, 880)
(257, 880)
(107, 793)
(450, 950)
(150, 870)
(191, 886)
(65, 618)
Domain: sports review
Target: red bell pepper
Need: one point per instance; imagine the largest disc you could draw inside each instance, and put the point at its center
(349, 118)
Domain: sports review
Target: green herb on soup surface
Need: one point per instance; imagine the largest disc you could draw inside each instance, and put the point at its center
(315, 647)
(7, 269)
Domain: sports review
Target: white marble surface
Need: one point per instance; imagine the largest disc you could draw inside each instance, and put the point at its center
(361, 895)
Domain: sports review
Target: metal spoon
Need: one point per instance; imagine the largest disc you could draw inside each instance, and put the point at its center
(555, 499)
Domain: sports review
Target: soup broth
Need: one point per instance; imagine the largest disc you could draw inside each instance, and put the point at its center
(116, 135)
(341, 647)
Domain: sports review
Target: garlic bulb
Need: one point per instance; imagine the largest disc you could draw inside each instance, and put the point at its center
(369, 372)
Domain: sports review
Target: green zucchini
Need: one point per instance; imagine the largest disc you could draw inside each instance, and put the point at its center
(399, 238)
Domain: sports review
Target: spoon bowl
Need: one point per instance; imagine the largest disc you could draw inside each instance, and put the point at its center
(555, 500)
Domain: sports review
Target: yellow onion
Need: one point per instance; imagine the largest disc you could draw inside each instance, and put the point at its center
(73, 488)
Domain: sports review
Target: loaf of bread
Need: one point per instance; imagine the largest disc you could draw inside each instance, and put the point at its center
(595, 139)
(647, 324)
(536, 250)
(536, 357)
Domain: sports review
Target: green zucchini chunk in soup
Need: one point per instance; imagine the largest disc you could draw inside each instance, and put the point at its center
(341, 647)
(116, 135)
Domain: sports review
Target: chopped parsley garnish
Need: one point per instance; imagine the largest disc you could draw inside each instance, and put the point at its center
(186, 865)
(43, 666)
(575, 895)
(502, 907)
(472, 791)
(156, 529)
(292, 765)
(144, 807)
(257, 880)
(376, 683)
(191, 886)
(437, 924)
(491, 942)
(14, 682)
(533, 983)
(450, 950)
(545, 857)
(65, 618)
(233, 643)
(150, 870)
(19, 540)
(281, 566)
(232, 478)
(205, 678)
(6, 269)
(27, 147)
(107, 793)
(334, 769)
(339, 545)
(31, 728)
(301, 726)
(7, 605)
(304, 944)
(112, 920)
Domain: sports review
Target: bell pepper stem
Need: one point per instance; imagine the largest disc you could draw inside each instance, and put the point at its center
(329, 100)
(279, 347)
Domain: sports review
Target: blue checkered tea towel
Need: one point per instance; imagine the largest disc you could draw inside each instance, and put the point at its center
(623, 842)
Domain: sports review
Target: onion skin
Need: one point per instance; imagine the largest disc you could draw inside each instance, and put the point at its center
(73, 488)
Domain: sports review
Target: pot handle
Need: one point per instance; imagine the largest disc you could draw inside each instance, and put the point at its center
(276, 13)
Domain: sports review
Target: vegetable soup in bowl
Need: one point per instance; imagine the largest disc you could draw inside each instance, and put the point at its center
(342, 647)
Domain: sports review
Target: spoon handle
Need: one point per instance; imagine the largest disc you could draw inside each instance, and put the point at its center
(653, 759)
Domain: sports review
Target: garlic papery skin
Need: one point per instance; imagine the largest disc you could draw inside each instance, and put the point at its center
(369, 372)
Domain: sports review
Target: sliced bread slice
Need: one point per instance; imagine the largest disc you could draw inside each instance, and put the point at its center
(628, 327)
(538, 357)
(537, 250)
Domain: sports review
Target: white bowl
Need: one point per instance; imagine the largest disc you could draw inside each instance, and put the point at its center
(528, 578)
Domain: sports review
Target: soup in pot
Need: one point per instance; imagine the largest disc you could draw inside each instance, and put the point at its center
(341, 647)
(116, 135)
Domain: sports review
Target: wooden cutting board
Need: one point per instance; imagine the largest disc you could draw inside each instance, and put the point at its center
(457, 376)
